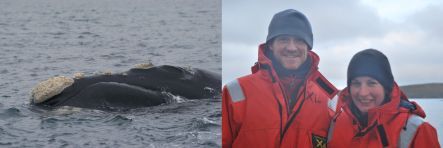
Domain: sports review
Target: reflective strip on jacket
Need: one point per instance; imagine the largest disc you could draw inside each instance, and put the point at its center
(385, 125)
(255, 113)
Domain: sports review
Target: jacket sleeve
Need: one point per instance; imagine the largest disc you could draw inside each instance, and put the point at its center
(426, 136)
(228, 128)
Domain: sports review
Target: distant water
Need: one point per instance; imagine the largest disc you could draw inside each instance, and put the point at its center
(434, 114)
(44, 38)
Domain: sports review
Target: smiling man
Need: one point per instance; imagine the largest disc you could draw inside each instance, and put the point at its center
(286, 101)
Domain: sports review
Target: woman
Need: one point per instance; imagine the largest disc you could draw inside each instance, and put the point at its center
(375, 112)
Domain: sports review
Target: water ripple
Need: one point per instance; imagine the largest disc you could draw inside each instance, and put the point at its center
(203, 124)
(11, 113)
(119, 120)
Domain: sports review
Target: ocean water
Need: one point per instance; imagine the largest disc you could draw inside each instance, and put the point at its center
(40, 39)
(434, 114)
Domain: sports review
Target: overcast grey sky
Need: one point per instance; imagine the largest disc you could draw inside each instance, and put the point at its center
(409, 32)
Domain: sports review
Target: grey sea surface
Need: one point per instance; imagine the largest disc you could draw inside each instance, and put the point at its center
(434, 114)
(40, 39)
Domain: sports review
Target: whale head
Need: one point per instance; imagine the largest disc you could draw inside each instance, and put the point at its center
(49, 88)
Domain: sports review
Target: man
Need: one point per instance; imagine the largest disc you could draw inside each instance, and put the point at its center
(286, 101)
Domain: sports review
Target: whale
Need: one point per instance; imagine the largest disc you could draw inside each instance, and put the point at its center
(135, 88)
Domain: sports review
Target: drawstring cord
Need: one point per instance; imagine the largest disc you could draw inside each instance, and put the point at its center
(406, 122)
(410, 110)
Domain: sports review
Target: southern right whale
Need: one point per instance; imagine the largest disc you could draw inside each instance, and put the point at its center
(137, 87)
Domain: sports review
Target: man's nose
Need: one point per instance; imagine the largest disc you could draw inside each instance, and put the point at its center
(292, 45)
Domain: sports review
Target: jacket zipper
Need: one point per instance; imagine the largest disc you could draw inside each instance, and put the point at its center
(292, 118)
(287, 125)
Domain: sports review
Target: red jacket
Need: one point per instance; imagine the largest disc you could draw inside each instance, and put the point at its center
(255, 113)
(386, 125)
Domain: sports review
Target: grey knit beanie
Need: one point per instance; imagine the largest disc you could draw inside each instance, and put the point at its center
(291, 22)
(372, 63)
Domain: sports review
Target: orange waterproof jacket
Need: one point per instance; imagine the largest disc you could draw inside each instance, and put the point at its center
(255, 113)
(392, 125)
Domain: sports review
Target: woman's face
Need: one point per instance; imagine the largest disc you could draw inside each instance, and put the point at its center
(366, 93)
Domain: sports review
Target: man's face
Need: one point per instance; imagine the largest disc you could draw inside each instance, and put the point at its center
(289, 51)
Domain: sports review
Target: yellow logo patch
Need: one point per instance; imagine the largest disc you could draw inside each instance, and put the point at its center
(318, 141)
